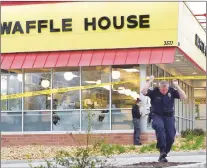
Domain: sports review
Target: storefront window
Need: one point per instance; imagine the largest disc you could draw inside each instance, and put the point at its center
(177, 107)
(160, 73)
(177, 124)
(187, 102)
(180, 110)
(63, 78)
(121, 120)
(167, 75)
(184, 102)
(171, 81)
(125, 93)
(95, 120)
(37, 121)
(155, 74)
(97, 97)
(66, 120)
(149, 70)
(191, 103)
(11, 121)
(36, 81)
(96, 107)
(11, 83)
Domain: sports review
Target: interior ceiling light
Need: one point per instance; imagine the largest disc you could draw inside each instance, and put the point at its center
(98, 82)
(69, 76)
(121, 88)
(116, 74)
(91, 82)
(199, 88)
(194, 73)
(177, 60)
(45, 83)
(131, 70)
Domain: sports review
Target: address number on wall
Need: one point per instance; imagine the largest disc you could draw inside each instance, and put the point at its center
(168, 42)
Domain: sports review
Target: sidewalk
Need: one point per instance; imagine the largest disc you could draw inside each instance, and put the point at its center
(126, 159)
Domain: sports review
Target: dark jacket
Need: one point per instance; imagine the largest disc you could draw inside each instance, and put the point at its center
(136, 112)
(163, 104)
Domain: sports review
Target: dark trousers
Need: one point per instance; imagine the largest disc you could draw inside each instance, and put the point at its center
(165, 132)
(136, 136)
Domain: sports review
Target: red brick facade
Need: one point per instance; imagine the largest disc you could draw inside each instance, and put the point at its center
(71, 139)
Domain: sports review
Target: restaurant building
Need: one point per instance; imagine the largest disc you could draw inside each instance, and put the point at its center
(56, 45)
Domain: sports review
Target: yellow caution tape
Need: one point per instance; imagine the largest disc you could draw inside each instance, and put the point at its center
(62, 90)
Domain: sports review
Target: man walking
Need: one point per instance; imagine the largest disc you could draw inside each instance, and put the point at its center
(162, 113)
(136, 115)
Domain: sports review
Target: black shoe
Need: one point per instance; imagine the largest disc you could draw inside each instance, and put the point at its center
(167, 152)
(162, 157)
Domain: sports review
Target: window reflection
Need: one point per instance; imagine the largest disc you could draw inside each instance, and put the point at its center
(11, 83)
(177, 124)
(36, 81)
(95, 120)
(66, 121)
(97, 97)
(121, 120)
(95, 101)
(63, 78)
(37, 121)
(11, 121)
(160, 73)
(155, 74)
(124, 94)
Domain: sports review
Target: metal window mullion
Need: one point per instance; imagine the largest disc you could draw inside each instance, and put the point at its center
(7, 83)
(80, 97)
(51, 98)
(23, 82)
(110, 98)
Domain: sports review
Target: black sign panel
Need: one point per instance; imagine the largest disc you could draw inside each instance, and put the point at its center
(200, 44)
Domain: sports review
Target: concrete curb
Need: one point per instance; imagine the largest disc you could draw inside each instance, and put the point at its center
(157, 154)
(21, 161)
(196, 165)
(200, 152)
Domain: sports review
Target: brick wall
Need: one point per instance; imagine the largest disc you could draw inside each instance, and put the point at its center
(71, 139)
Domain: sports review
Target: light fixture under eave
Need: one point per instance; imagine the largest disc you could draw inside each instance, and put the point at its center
(116, 74)
(45, 83)
(177, 60)
(131, 70)
(194, 73)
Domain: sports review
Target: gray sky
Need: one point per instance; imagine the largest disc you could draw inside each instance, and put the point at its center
(197, 7)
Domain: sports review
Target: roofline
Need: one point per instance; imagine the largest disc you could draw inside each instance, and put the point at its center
(194, 15)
